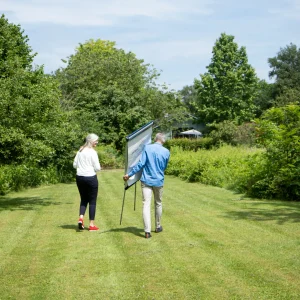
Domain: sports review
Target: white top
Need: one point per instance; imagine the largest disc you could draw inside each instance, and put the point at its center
(87, 162)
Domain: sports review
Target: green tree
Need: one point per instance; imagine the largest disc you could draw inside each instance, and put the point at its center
(101, 85)
(15, 52)
(285, 69)
(97, 65)
(288, 96)
(164, 106)
(228, 89)
(278, 131)
(34, 131)
(189, 97)
(111, 92)
(33, 127)
(265, 97)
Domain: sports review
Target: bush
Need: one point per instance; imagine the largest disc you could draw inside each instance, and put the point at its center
(270, 172)
(15, 178)
(189, 144)
(279, 132)
(229, 133)
(227, 167)
(109, 157)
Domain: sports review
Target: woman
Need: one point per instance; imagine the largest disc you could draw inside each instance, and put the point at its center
(86, 163)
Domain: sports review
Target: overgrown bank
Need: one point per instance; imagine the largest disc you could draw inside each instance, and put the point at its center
(26, 175)
(242, 169)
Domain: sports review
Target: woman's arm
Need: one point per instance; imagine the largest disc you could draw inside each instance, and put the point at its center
(95, 162)
(75, 161)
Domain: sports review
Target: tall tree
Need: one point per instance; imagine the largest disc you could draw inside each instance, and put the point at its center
(110, 91)
(33, 128)
(285, 69)
(227, 90)
(15, 52)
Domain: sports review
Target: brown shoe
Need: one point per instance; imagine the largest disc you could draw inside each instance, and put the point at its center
(159, 229)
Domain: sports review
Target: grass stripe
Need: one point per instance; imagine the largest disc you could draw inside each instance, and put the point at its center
(214, 245)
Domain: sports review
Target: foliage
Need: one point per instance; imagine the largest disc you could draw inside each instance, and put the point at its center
(15, 53)
(33, 128)
(279, 132)
(189, 144)
(229, 133)
(223, 132)
(18, 177)
(34, 131)
(270, 172)
(226, 167)
(228, 89)
(109, 157)
(100, 84)
(163, 106)
(111, 92)
(265, 97)
(189, 97)
(245, 134)
(286, 68)
(288, 96)
(97, 65)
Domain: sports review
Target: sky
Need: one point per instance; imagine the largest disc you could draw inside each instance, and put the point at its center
(175, 36)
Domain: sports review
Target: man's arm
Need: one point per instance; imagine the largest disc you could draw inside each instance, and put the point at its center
(137, 167)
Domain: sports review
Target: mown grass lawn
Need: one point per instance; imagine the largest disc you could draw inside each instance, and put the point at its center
(215, 245)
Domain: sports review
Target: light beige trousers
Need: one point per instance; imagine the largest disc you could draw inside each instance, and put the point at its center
(147, 195)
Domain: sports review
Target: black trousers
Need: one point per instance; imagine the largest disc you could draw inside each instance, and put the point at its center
(88, 190)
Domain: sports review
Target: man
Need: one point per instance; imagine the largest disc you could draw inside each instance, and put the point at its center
(154, 161)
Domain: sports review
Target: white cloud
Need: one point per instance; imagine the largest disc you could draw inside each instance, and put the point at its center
(99, 13)
(176, 36)
(291, 10)
(171, 50)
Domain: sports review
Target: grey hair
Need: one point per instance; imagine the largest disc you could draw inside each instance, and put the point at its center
(160, 137)
(90, 139)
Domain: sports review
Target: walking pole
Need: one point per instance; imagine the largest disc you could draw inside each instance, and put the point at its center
(122, 207)
(134, 195)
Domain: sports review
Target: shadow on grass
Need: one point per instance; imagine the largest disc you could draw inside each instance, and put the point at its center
(273, 211)
(133, 230)
(24, 203)
(72, 227)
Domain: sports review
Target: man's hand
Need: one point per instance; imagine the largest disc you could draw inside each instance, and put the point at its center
(125, 177)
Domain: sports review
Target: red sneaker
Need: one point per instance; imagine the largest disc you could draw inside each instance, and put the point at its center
(93, 228)
(80, 224)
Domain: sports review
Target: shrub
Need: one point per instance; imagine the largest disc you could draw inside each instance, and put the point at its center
(109, 157)
(17, 177)
(223, 132)
(279, 132)
(227, 166)
(229, 133)
(189, 144)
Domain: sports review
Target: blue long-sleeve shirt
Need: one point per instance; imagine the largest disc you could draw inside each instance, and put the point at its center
(154, 161)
